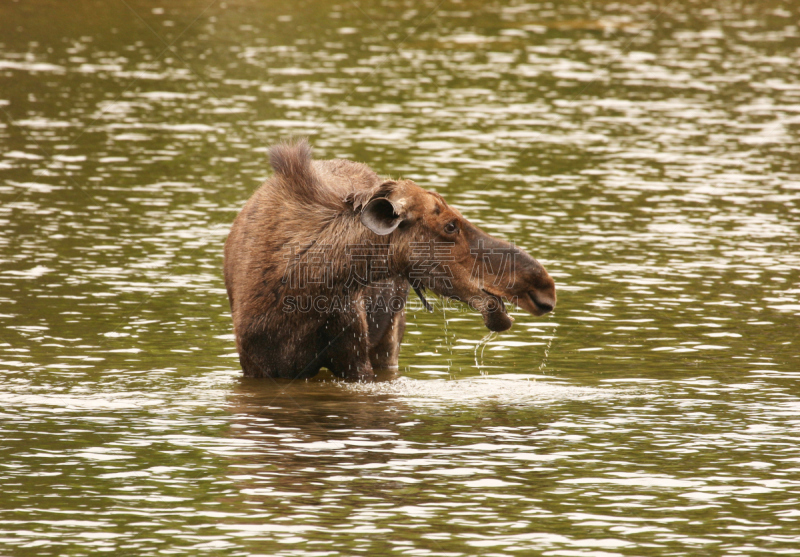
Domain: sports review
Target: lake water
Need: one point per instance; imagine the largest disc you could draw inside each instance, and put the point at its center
(646, 153)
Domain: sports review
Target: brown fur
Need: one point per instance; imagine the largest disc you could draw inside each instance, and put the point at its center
(308, 206)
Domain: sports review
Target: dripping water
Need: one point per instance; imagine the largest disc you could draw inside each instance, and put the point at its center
(480, 348)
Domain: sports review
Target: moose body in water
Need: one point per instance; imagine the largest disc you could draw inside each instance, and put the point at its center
(319, 262)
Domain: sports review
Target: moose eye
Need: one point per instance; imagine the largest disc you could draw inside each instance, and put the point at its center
(451, 228)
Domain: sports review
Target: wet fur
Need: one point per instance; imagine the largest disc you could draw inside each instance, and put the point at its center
(304, 201)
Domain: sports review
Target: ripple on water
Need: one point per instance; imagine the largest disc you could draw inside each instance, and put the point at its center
(510, 389)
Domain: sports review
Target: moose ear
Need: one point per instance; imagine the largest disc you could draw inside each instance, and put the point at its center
(380, 216)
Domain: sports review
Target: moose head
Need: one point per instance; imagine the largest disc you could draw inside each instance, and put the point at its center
(441, 251)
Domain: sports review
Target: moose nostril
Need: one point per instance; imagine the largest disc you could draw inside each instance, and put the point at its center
(545, 306)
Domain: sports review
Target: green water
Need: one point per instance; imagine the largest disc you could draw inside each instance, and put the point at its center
(647, 154)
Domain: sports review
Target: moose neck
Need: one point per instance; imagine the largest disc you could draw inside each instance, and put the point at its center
(355, 256)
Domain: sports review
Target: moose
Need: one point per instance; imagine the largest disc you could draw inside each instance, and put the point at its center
(320, 261)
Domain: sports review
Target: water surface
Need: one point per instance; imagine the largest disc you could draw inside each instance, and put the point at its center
(646, 153)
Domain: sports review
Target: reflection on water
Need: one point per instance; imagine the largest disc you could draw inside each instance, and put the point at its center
(647, 154)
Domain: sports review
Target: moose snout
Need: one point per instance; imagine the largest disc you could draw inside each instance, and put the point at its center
(545, 307)
(543, 301)
(540, 289)
(528, 284)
